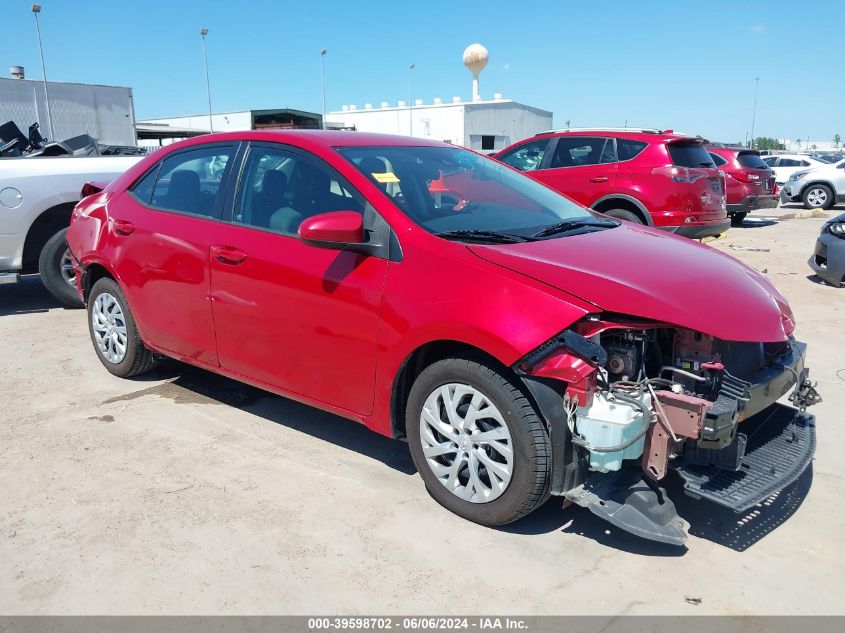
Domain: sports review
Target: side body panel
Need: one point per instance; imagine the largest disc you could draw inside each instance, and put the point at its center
(300, 318)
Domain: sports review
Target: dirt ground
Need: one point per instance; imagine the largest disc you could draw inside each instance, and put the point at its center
(186, 493)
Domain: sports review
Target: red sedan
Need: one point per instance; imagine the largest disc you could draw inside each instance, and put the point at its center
(522, 345)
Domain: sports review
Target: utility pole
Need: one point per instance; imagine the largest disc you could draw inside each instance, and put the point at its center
(411, 102)
(323, 81)
(36, 9)
(204, 32)
(754, 115)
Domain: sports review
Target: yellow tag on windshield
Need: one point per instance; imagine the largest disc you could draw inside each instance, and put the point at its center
(385, 177)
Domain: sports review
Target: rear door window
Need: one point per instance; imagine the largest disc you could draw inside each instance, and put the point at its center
(527, 157)
(689, 155)
(751, 160)
(189, 182)
(628, 149)
(791, 162)
(578, 151)
(771, 161)
(718, 159)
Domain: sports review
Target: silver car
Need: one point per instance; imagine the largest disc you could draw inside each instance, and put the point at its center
(818, 188)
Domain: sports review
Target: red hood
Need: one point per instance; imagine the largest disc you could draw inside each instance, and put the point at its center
(651, 274)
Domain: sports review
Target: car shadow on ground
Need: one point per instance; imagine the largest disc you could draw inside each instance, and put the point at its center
(755, 223)
(28, 296)
(821, 282)
(706, 520)
(187, 384)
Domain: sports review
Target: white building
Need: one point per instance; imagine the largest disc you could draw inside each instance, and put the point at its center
(105, 112)
(480, 125)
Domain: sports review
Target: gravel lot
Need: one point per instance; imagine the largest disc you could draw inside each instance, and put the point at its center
(186, 493)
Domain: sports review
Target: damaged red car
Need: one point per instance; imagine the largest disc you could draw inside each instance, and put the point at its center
(522, 345)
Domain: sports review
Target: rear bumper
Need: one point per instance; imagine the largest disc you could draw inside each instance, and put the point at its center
(828, 259)
(752, 203)
(697, 230)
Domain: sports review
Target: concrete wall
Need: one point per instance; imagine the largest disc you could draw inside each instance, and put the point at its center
(224, 122)
(459, 123)
(104, 112)
(441, 122)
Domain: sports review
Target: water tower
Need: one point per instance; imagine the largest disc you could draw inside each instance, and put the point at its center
(476, 58)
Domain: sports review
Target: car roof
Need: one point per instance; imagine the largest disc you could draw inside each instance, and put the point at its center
(636, 135)
(324, 139)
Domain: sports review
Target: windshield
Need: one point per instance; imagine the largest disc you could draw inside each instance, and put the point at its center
(452, 190)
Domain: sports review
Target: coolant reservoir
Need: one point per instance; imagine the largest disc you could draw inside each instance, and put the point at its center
(608, 422)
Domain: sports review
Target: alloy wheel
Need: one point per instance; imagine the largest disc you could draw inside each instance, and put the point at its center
(466, 443)
(817, 197)
(109, 327)
(66, 268)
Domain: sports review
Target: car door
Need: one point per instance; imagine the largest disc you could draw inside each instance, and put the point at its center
(299, 318)
(163, 226)
(581, 167)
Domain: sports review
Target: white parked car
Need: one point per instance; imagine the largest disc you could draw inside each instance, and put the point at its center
(784, 165)
(817, 188)
(37, 195)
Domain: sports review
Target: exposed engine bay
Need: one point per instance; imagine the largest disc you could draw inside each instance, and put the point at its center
(653, 397)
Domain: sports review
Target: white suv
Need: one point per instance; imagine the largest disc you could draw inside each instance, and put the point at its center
(784, 165)
(818, 188)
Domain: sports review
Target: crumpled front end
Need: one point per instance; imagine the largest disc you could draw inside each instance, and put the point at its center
(640, 401)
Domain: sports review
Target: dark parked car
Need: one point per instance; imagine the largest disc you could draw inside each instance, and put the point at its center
(749, 182)
(828, 260)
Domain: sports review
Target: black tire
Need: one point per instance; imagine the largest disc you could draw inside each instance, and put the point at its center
(623, 214)
(50, 263)
(138, 359)
(810, 189)
(529, 484)
(738, 218)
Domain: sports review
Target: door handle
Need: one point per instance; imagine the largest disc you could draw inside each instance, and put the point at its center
(599, 179)
(122, 227)
(228, 255)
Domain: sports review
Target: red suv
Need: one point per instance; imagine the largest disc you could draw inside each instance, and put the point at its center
(750, 183)
(438, 296)
(655, 178)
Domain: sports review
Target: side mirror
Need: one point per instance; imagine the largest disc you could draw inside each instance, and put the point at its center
(335, 229)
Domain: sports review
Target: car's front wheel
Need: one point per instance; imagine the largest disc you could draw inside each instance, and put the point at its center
(623, 214)
(113, 331)
(817, 197)
(56, 269)
(738, 218)
(477, 441)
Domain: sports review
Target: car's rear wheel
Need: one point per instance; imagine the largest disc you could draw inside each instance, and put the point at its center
(114, 333)
(738, 218)
(623, 214)
(56, 268)
(477, 442)
(817, 197)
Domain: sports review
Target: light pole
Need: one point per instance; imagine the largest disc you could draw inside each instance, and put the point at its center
(411, 102)
(204, 32)
(323, 81)
(754, 115)
(36, 9)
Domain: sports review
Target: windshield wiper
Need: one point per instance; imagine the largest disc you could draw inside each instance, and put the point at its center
(575, 223)
(482, 236)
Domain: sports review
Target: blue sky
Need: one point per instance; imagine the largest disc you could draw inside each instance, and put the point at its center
(683, 65)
